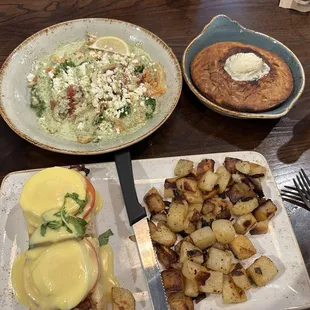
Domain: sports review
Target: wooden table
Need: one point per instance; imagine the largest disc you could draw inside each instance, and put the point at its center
(192, 128)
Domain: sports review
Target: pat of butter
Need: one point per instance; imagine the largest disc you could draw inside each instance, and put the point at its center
(246, 67)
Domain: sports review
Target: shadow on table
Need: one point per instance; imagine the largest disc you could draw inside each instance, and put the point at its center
(298, 144)
(245, 134)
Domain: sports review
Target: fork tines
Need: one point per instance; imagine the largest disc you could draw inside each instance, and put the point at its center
(300, 194)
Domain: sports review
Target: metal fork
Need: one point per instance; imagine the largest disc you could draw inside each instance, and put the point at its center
(300, 194)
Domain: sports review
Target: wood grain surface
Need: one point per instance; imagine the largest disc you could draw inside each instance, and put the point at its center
(192, 128)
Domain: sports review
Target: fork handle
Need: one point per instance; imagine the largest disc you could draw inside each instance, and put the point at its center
(135, 211)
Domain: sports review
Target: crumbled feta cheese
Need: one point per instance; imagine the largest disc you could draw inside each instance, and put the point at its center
(81, 125)
(135, 61)
(30, 77)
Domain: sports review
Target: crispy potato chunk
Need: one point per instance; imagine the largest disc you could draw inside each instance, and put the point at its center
(262, 271)
(219, 260)
(203, 237)
(164, 236)
(232, 293)
(210, 282)
(187, 184)
(257, 171)
(243, 167)
(244, 207)
(265, 211)
(204, 166)
(122, 299)
(166, 256)
(208, 181)
(183, 168)
(244, 223)
(154, 201)
(239, 276)
(172, 280)
(169, 187)
(260, 228)
(193, 197)
(242, 247)
(191, 288)
(190, 270)
(179, 301)
(240, 191)
(190, 252)
(223, 178)
(224, 231)
(176, 215)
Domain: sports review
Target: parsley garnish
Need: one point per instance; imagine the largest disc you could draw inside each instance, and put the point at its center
(40, 107)
(98, 120)
(139, 69)
(64, 66)
(150, 105)
(104, 238)
(126, 110)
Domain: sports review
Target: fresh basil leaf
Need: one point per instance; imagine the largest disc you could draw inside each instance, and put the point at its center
(75, 197)
(57, 214)
(43, 229)
(104, 238)
(139, 69)
(81, 221)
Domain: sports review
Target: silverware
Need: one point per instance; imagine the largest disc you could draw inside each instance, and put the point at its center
(300, 194)
(138, 220)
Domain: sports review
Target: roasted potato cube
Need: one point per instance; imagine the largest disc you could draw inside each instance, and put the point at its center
(221, 208)
(187, 184)
(223, 178)
(191, 269)
(240, 191)
(191, 288)
(208, 195)
(166, 256)
(220, 246)
(183, 168)
(172, 280)
(232, 294)
(176, 215)
(179, 301)
(193, 197)
(256, 171)
(204, 166)
(244, 207)
(260, 228)
(239, 276)
(230, 164)
(243, 167)
(197, 206)
(164, 236)
(213, 282)
(191, 219)
(122, 299)
(242, 247)
(177, 266)
(169, 187)
(207, 181)
(257, 187)
(224, 231)
(207, 207)
(265, 211)
(152, 227)
(154, 201)
(262, 271)
(190, 252)
(218, 260)
(203, 237)
(244, 223)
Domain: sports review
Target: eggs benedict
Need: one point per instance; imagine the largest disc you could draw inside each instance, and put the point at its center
(62, 268)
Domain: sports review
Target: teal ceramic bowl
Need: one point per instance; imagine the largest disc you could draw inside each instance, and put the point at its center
(221, 29)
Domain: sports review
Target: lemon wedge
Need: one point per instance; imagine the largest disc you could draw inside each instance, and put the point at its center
(112, 44)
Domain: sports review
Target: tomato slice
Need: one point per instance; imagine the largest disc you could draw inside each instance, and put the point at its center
(97, 261)
(91, 197)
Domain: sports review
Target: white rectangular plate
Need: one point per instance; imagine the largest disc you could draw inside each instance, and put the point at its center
(289, 290)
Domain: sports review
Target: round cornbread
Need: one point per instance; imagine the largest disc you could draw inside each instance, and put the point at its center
(266, 93)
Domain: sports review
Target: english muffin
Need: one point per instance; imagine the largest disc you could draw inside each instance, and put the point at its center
(241, 77)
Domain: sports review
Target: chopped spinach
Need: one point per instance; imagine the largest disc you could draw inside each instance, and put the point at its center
(150, 105)
(139, 69)
(64, 66)
(126, 110)
(104, 238)
(98, 120)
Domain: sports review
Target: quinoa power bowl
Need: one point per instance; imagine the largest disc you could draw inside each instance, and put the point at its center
(95, 89)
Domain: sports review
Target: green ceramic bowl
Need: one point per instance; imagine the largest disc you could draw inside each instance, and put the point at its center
(221, 29)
